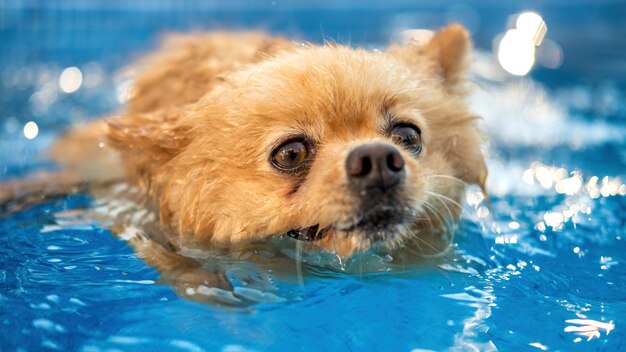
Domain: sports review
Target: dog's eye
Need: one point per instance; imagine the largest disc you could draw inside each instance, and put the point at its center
(408, 136)
(290, 155)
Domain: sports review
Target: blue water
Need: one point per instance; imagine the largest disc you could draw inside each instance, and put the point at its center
(544, 261)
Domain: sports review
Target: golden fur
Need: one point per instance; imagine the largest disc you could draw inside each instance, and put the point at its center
(207, 111)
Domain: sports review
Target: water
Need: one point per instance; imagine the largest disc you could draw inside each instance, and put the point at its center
(541, 269)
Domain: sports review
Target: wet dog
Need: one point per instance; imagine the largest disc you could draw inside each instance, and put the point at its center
(236, 137)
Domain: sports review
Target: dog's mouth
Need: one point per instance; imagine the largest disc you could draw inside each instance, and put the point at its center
(376, 219)
(377, 224)
(313, 233)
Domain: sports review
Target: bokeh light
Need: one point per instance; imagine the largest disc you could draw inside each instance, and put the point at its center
(31, 130)
(70, 80)
(532, 25)
(516, 49)
(516, 53)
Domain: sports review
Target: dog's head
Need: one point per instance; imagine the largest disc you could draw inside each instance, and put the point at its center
(341, 146)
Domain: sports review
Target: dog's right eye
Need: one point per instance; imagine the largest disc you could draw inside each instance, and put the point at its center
(290, 155)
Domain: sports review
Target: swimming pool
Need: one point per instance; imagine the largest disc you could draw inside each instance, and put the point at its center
(541, 269)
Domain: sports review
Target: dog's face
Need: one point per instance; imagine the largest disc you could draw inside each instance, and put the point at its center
(343, 147)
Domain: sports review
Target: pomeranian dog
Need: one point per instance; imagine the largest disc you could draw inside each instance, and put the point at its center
(236, 137)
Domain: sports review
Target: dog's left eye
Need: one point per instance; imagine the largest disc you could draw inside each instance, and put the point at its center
(408, 136)
(290, 155)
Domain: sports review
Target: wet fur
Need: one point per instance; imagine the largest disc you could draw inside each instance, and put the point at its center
(207, 110)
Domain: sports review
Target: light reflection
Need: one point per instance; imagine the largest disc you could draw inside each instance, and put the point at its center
(592, 187)
(31, 130)
(474, 198)
(578, 251)
(482, 300)
(507, 239)
(482, 212)
(607, 262)
(124, 82)
(529, 177)
(588, 328)
(557, 219)
(71, 79)
(514, 225)
(539, 346)
(516, 52)
(516, 48)
(124, 91)
(532, 25)
(607, 188)
(571, 183)
(554, 219)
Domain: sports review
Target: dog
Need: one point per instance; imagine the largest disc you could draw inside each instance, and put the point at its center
(236, 137)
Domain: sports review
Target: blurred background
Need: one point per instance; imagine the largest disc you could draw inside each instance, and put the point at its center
(63, 61)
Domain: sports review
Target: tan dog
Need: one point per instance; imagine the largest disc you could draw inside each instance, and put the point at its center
(237, 137)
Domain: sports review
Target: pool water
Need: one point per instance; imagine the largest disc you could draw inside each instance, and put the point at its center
(541, 268)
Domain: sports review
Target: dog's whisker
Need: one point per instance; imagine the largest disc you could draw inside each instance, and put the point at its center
(437, 253)
(449, 224)
(444, 221)
(441, 196)
(434, 211)
(449, 177)
(299, 245)
(445, 206)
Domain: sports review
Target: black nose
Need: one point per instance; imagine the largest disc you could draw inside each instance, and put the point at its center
(375, 165)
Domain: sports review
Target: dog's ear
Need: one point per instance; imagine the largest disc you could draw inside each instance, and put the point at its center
(446, 53)
(148, 140)
(450, 48)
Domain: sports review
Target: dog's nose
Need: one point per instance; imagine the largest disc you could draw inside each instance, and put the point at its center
(375, 165)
